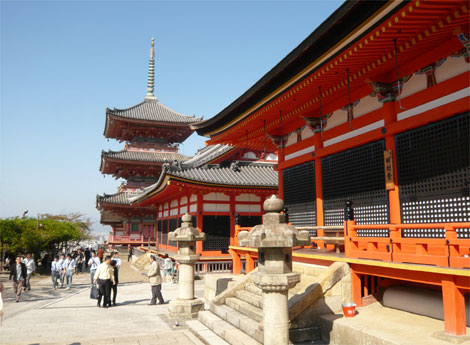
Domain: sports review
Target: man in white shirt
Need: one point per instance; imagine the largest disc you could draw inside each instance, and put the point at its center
(62, 270)
(69, 267)
(55, 270)
(30, 268)
(93, 264)
(104, 276)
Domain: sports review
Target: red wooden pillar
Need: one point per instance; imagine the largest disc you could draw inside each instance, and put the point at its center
(390, 117)
(236, 262)
(454, 307)
(250, 263)
(356, 288)
(199, 221)
(319, 190)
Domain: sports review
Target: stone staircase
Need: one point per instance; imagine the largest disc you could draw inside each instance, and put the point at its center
(236, 315)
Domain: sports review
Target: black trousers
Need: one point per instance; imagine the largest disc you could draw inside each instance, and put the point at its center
(157, 293)
(104, 287)
(114, 287)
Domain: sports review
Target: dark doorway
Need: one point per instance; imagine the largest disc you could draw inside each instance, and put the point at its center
(249, 221)
(217, 230)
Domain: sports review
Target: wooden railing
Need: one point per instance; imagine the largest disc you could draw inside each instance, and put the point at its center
(401, 243)
(128, 238)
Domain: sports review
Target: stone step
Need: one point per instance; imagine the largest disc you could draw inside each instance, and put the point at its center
(239, 320)
(250, 297)
(245, 308)
(225, 330)
(253, 289)
(204, 334)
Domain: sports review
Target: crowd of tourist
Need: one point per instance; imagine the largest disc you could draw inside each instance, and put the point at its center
(104, 273)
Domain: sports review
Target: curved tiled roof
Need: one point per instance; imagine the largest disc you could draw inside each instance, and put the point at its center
(121, 198)
(153, 110)
(144, 156)
(252, 175)
(206, 155)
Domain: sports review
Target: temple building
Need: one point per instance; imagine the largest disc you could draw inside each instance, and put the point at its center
(151, 132)
(370, 119)
(221, 186)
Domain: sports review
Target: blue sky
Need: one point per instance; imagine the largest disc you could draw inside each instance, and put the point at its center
(63, 62)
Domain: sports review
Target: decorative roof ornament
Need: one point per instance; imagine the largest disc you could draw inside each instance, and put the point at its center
(151, 74)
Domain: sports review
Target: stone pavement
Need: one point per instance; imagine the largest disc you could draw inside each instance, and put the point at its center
(45, 316)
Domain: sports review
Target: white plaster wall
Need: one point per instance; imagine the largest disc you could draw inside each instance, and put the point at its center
(247, 197)
(291, 139)
(165, 214)
(193, 208)
(366, 105)
(337, 118)
(451, 68)
(183, 209)
(216, 197)
(306, 133)
(160, 214)
(247, 208)
(184, 200)
(174, 203)
(174, 212)
(193, 197)
(165, 206)
(216, 207)
(416, 83)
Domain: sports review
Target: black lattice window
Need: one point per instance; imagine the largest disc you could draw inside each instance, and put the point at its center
(173, 224)
(433, 172)
(463, 232)
(217, 229)
(373, 233)
(300, 194)
(249, 221)
(357, 175)
(165, 232)
(424, 233)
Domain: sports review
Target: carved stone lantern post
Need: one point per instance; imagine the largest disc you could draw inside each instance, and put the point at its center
(186, 306)
(274, 239)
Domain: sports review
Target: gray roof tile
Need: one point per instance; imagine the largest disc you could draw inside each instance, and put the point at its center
(206, 155)
(121, 198)
(144, 156)
(153, 110)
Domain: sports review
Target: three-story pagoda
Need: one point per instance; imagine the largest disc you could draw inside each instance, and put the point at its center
(151, 132)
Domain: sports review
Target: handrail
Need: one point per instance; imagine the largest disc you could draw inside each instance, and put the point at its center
(445, 251)
(325, 227)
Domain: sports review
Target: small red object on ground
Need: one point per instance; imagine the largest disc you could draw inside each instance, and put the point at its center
(349, 309)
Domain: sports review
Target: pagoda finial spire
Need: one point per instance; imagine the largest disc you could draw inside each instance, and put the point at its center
(151, 74)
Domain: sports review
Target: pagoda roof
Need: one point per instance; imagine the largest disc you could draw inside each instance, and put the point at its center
(153, 110)
(207, 155)
(236, 176)
(144, 156)
(120, 198)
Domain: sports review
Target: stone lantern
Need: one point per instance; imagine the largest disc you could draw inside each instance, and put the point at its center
(274, 239)
(186, 306)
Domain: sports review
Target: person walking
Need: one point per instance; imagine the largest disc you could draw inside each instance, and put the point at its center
(155, 280)
(130, 252)
(30, 268)
(18, 276)
(87, 257)
(104, 276)
(93, 264)
(116, 280)
(167, 266)
(62, 270)
(117, 259)
(100, 254)
(69, 267)
(79, 262)
(55, 271)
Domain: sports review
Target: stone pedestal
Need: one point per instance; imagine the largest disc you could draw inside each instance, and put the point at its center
(186, 306)
(275, 240)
